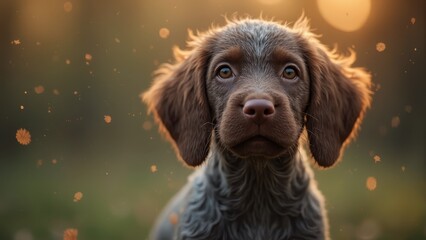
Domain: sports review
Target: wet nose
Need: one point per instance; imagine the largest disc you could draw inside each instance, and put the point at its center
(258, 110)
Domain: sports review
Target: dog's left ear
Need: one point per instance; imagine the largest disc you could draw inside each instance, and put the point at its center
(179, 103)
(339, 96)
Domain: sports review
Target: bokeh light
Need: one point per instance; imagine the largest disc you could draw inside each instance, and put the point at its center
(348, 15)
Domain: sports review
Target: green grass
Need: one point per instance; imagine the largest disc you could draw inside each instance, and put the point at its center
(122, 197)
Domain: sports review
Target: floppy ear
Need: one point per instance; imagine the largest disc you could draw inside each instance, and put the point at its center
(339, 97)
(179, 103)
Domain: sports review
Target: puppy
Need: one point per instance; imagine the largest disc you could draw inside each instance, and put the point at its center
(238, 100)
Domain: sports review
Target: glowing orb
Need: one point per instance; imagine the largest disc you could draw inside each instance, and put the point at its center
(345, 15)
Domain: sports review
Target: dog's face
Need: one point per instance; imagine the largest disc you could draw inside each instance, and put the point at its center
(258, 90)
(255, 85)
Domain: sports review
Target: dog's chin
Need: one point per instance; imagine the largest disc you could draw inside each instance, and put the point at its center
(258, 146)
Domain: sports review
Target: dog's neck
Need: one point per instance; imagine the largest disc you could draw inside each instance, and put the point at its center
(259, 187)
(254, 199)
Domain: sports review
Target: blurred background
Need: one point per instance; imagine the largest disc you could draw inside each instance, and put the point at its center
(80, 156)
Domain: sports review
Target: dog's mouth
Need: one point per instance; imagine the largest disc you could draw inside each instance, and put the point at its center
(258, 146)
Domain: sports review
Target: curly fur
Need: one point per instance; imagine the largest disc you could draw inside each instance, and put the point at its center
(229, 202)
(238, 194)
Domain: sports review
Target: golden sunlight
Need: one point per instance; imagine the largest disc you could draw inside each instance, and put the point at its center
(346, 15)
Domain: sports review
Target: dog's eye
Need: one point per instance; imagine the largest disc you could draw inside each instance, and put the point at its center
(290, 72)
(225, 72)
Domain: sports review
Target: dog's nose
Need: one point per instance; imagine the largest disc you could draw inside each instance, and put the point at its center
(258, 110)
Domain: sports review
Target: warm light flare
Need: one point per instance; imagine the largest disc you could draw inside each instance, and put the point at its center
(23, 136)
(348, 15)
(380, 46)
(164, 33)
(67, 7)
(154, 168)
(70, 234)
(39, 89)
(107, 118)
(371, 183)
(78, 196)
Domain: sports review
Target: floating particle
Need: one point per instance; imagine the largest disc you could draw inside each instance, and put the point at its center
(39, 89)
(395, 122)
(173, 218)
(75, 92)
(39, 162)
(413, 20)
(107, 118)
(88, 57)
(70, 234)
(15, 42)
(408, 108)
(38, 43)
(67, 61)
(56, 92)
(68, 6)
(117, 40)
(371, 183)
(147, 125)
(403, 168)
(164, 33)
(154, 168)
(54, 161)
(21, 107)
(78, 196)
(380, 47)
(23, 136)
(377, 158)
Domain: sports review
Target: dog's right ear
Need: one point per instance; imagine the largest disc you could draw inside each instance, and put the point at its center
(179, 103)
(339, 97)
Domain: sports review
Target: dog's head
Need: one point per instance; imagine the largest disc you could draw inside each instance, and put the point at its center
(255, 85)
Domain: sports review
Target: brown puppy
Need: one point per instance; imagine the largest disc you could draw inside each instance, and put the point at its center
(239, 98)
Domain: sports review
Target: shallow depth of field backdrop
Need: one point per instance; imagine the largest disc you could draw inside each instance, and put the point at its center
(71, 72)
